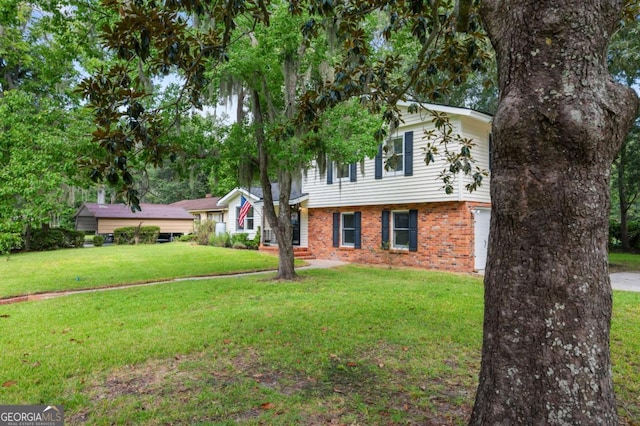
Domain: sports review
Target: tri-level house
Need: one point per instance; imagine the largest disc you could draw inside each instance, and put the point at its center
(398, 214)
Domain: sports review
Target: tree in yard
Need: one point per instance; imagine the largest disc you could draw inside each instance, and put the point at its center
(560, 122)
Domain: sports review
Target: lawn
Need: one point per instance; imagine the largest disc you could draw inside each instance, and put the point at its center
(624, 262)
(355, 345)
(31, 273)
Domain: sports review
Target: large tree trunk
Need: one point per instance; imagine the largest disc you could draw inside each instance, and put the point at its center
(560, 121)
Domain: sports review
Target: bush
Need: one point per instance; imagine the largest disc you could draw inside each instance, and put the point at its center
(633, 231)
(220, 240)
(187, 238)
(204, 230)
(98, 240)
(10, 241)
(73, 238)
(136, 235)
(47, 239)
(238, 245)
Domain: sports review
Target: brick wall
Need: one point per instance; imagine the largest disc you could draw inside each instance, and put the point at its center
(445, 236)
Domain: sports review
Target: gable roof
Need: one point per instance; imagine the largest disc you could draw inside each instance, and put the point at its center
(122, 211)
(466, 112)
(200, 204)
(256, 194)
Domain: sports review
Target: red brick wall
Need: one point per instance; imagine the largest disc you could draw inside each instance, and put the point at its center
(445, 236)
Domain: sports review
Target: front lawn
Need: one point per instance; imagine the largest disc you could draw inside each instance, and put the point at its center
(353, 345)
(30, 273)
(624, 262)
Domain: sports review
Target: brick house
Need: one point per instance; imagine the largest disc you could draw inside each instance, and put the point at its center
(402, 215)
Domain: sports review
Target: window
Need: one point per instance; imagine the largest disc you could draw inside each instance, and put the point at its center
(248, 220)
(348, 229)
(401, 230)
(395, 156)
(198, 218)
(342, 171)
(210, 217)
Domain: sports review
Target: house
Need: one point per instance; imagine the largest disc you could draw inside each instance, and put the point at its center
(103, 219)
(204, 208)
(255, 218)
(400, 214)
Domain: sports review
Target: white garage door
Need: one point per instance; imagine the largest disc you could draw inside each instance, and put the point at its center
(482, 219)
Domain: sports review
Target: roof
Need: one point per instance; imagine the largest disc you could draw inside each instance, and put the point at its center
(122, 211)
(467, 112)
(200, 204)
(256, 194)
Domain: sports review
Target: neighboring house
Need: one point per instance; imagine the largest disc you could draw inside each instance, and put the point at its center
(402, 215)
(103, 219)
(255, 218)
(204, 209)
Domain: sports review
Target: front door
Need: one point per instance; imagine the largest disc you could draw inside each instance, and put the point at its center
(295, 223)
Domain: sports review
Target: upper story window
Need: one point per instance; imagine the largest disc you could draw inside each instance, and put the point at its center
(395, 156)
(343, 171)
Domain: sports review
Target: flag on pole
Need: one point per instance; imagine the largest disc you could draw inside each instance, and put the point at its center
(244, 210)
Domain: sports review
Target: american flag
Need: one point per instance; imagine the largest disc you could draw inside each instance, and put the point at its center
(244, 209)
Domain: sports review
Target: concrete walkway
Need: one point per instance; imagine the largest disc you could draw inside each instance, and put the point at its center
(626, 281)
(311, 264)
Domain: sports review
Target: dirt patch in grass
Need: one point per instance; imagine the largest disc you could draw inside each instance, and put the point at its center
(240, 388)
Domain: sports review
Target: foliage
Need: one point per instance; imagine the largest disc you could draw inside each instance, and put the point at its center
(56, 238)
(10, 241)
(187, 238)
(136, 235)
(98, 240)
(220, 240)
(204, 230)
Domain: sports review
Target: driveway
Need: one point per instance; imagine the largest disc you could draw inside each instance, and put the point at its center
(627, 281)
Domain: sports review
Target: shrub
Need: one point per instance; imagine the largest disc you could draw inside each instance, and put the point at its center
(220, 240)
(47, 239)
(136, 235)
(10, 241)
(73, 238)
(204, 230)
(238, 245)
(187, 238)
(98, 240)
(633, 231)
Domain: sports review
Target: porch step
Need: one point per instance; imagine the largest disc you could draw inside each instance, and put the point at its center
(302, 253)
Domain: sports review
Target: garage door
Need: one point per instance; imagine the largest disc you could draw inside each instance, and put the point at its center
(482, 219)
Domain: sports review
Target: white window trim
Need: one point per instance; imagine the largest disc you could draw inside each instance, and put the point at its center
(401, 159)
(392, 230)
(342, 243)
(250, 215)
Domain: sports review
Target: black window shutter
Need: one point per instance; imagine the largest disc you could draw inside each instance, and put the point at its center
(357, 218)
(329, 172)
(385, 229)
(378, 163)
(336, 229)
(408, 154)
(353, 172)
(413, 230)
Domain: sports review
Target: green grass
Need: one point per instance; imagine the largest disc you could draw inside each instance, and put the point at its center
(353, 345)
(30, 273)
(624, 262)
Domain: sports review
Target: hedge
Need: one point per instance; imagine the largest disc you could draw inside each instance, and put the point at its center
(56, 238)
(136, 235)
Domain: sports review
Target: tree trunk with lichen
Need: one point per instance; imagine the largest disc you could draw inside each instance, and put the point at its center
(560, 122)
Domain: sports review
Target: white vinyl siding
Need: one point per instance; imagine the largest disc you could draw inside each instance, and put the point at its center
(232, 220)
(425, 184)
